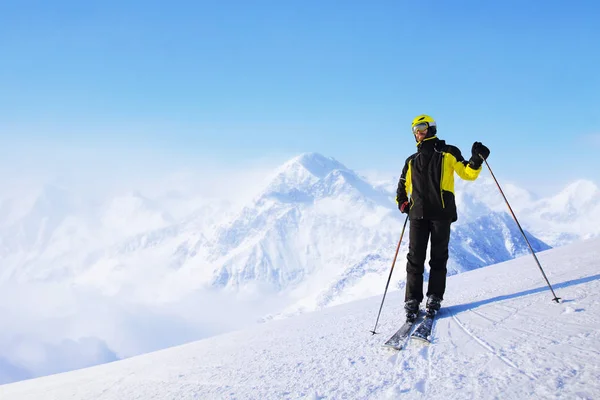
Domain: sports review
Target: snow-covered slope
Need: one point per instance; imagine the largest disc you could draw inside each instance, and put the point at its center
(499, 335)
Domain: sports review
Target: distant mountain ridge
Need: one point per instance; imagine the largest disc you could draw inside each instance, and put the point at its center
(318, 232)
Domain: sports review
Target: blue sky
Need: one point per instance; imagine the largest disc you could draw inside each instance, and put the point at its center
(236, 81)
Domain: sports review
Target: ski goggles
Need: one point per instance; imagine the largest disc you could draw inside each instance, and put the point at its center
(422, 127)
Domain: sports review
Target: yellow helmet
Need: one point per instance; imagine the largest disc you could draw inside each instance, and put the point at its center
(424, 122)
(423, 118)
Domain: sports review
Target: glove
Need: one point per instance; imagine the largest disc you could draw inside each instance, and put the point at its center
(477, 151)
(404, 207)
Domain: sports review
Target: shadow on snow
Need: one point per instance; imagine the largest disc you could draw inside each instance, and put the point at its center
(468, 306)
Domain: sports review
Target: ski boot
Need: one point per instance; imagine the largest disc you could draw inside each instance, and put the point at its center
(412, 309)
(434, 303)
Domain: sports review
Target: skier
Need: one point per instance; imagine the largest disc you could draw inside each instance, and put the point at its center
(428, 178)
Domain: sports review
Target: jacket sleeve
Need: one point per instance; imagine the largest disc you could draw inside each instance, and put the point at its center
(461, 166)
(403, 184)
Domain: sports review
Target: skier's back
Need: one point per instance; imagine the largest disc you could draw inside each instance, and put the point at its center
(428, 178)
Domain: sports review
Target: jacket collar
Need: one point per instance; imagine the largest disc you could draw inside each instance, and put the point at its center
(426, 139)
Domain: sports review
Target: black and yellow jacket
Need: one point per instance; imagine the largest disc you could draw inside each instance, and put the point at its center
(428, 178)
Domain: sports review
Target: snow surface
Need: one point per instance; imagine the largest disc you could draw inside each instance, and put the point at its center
(499, 335)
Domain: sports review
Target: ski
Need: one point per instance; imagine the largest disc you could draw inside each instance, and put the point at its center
(398, 340)
(423, 330)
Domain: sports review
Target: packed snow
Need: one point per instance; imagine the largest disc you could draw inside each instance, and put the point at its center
(498, 335)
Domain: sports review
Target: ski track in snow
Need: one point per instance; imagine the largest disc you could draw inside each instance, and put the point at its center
(489, 348)
(498, 335)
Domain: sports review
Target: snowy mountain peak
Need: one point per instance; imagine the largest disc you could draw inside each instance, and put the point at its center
(580, 198)
(301, 173)
(315, 163)
(581, 190)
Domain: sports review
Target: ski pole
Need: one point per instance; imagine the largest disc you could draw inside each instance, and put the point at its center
(390, 277)
(556, 299)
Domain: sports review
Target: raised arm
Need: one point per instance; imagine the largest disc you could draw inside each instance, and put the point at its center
(469, 170)
(462, 168)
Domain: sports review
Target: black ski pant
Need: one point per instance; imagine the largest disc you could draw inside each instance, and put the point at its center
(421, 230)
